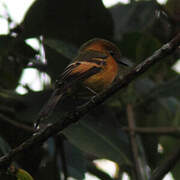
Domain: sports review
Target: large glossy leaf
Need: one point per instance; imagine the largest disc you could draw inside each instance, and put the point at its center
(21, 174)
(66, 49)
(78, 22)
(99, 136)
(56, 61)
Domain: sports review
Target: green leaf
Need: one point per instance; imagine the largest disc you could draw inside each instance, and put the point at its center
(99, 136)
(58, 55)
(21, 174)
(76, 23)
(62, 47)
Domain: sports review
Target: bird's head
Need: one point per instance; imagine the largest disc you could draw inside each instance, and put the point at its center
(105, 47)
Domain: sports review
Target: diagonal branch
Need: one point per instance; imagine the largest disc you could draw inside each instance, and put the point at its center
(157, 131)
(59, 140)
(168, 164)
(133, 141)
(72, 117)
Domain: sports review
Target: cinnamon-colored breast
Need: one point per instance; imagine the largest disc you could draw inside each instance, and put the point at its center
(105, 77)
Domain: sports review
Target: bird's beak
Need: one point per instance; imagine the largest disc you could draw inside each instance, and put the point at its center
(124, 61)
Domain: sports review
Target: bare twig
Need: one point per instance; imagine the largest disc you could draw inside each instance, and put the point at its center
(56, 173)
(73, 117)
(168, 131)
(134, 146)
(166, 165)
(61, 149)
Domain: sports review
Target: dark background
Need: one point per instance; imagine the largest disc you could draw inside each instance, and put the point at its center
(138, 29)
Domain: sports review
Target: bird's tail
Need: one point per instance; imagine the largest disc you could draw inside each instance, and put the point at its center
(48, 108)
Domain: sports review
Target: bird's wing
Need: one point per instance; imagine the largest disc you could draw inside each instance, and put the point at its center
(86, 64)
(77, 71)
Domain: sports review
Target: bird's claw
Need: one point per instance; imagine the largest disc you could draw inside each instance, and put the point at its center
(93, 98)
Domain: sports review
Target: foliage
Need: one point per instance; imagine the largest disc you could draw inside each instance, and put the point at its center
(60, 28)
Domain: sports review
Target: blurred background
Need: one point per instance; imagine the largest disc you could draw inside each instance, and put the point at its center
(38, 38)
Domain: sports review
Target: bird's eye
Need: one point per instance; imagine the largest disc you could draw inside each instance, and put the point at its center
(111, 53)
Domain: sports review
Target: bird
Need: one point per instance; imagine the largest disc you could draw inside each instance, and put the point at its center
(94, 68)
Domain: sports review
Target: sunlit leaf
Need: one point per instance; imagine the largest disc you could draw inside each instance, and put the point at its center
(21, 174)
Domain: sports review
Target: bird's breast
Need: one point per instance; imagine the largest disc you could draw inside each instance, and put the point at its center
(103, 79)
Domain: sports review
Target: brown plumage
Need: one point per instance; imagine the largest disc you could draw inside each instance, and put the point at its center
(95, 67)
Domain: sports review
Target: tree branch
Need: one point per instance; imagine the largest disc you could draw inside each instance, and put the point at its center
(59, 140)
(134, 146)
(166, 165)
(72, 117)
(168, 131)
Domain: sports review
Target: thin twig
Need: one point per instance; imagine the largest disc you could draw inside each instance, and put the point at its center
(70, 118)
(57, 175)
(166, 165)
(61, 149)
(134, 146)
(167, 131)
